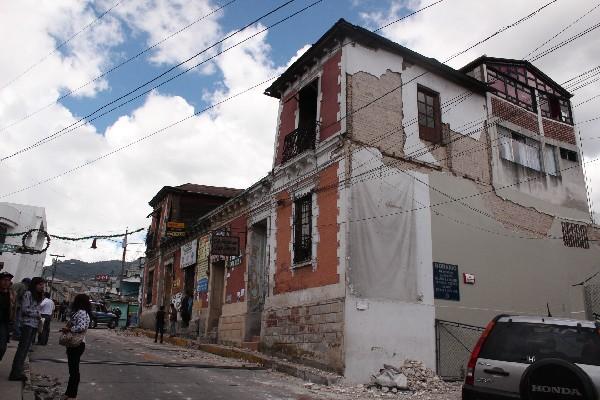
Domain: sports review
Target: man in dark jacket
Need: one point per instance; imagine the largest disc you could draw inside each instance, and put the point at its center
(160, 324)
(7, 309)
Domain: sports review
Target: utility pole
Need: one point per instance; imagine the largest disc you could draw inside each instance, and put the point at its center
(123, 262)
(56, 256)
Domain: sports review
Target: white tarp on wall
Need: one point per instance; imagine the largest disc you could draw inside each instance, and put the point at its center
(383, 234)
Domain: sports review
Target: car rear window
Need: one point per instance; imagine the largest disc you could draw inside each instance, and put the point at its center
(529, 342)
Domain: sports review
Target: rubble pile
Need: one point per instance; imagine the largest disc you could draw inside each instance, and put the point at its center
(421, 378)
(46, 387)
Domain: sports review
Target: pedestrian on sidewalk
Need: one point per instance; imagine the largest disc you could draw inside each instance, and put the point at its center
(160, 324)
(186, 309)
(172, 320)
(47, 310)
(78, 323)
(19, 288)
(7, 309)
(30, 318)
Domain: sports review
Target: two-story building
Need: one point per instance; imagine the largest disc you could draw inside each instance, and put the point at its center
(403, 191)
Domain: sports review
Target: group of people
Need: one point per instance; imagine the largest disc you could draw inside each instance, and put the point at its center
(186, 315)
(26, 311)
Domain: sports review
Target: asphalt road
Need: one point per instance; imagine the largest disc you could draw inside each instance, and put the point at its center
(131, 368)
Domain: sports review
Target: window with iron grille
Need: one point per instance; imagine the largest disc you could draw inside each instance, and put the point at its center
(575, 235)
(303, 229)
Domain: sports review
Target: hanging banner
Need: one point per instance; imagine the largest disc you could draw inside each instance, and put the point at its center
(188, 253)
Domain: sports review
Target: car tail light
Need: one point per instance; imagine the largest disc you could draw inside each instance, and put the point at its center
(470, 378)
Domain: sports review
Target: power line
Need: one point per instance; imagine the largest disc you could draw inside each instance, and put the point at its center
(565, 42)
(71, 92)
(97, 19)
(86, 118)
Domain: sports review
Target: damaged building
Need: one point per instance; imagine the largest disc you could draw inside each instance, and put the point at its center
(403, 192)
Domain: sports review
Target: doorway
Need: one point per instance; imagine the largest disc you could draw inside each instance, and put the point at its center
(258, 279)
(168, 285)
(215, 300)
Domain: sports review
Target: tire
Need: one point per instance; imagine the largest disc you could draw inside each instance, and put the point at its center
(556, 379)
(93, 324)
(112, 324)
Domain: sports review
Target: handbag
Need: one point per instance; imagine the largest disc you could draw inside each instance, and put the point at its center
(70, 339)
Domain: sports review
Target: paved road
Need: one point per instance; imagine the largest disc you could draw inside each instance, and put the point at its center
(125, 367)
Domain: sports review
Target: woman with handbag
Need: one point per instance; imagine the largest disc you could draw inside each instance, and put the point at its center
(73, 337)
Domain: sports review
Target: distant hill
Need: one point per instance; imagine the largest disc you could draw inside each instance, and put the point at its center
(77, 270)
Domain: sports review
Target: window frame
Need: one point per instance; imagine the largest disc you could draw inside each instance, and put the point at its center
(302, 240)
(507, 82)
(569, 155)
(431, 134)
(523, 140)
(555, 107)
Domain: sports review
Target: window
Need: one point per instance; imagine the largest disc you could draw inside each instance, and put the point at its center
(430, 122)
(567, 154)
(550, 164)
(512, 90)
(303, 229)
(304, 136)
(519, 149)
(575, 235)
(556, 108)
(3, 231)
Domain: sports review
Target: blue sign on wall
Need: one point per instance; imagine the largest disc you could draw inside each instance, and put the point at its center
(202, 285)
(445, 282)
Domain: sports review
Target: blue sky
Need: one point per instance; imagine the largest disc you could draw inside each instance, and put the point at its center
(284, 39)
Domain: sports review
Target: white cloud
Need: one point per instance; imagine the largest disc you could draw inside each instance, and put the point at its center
(452, 26)
(229, 146)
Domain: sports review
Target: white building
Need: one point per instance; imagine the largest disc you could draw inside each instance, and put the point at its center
(21, 218)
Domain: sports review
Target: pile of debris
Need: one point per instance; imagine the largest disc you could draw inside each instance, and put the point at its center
(46, 387)
(413, 376)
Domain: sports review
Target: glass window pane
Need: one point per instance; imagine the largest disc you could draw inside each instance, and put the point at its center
(421, 107)
(429, 111)
(421, 96)
(422, 119)
(430, 123)
(429, 100)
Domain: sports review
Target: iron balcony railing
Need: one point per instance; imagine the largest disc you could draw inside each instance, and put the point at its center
(298, 142)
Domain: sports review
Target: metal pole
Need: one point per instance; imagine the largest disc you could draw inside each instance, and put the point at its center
(53, 271)
(123, 263)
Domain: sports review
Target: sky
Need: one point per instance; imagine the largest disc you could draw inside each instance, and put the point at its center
(63, 60)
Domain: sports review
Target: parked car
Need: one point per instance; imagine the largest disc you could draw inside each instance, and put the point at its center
(100, 315)
(535, 358)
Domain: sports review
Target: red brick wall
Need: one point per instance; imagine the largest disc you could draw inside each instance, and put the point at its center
(236, 280)
(326, 271)
(330, 89)
(558, 131)
(287, 122)
(515, 114)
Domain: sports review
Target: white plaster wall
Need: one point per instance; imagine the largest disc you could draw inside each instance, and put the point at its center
(457, 115)
(21, 218)
(389, 328)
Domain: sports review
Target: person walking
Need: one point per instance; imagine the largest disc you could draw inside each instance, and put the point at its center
(19, 289)
(7, 309)
(172, 320)
(78, 323)
(30, 317)
(46, 310)
(160, 324)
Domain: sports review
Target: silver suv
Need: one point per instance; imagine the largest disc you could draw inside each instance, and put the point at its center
(535, 358)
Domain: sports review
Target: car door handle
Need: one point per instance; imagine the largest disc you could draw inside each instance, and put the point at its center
(496, 371)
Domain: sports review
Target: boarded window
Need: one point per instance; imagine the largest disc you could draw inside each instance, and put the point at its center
(550, 163)
(430, 122)
(519, 149)
(303, 229)
(575, 235)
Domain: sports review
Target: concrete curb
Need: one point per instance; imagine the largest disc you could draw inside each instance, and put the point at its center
(300, 371)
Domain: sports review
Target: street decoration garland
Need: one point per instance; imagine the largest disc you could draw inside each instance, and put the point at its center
(24, 249)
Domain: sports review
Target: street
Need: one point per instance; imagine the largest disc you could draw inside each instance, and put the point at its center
(128, 367)
(118, 365)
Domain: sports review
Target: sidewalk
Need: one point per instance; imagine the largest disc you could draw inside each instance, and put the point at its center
(10, 390)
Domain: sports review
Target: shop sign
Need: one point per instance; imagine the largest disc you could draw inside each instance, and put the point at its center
(202, 285)
(102, 277)
(225, 245)
(234, 261)
(445, 282)
(189, 252)
(175, 229)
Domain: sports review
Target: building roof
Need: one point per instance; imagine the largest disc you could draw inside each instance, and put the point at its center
(192, 188)
(524, 63)
(343, 29)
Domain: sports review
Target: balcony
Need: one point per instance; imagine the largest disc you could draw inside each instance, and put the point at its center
(297, 142)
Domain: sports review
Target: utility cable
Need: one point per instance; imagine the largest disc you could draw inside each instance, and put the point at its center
(102, 75)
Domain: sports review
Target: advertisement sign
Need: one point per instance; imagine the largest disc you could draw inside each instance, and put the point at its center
(202, 285)
(445, 282)
(175, 229)
(188, 253)
(103, 277)
(225, 246)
